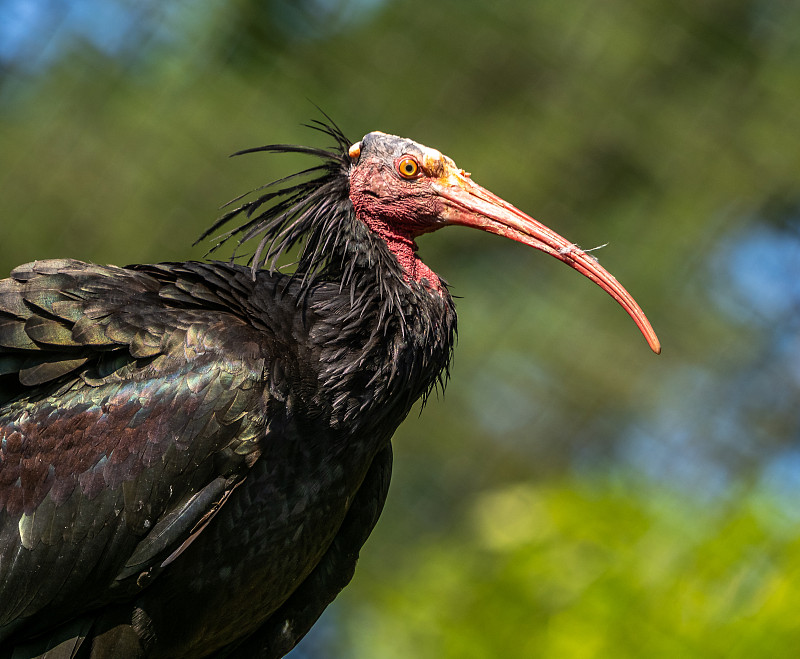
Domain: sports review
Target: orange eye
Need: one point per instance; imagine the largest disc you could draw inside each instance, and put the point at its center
(407, 167)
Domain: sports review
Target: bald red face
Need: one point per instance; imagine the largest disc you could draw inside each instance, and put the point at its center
(391, 185)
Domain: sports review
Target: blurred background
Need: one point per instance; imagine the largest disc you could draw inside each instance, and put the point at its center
(572, 495)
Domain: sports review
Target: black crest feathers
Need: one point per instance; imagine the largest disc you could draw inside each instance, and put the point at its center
(308, 208)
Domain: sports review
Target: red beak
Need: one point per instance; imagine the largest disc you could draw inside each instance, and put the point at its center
(468, 204)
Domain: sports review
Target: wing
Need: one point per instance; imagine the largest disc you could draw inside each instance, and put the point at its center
(131, 405)
(286, 627)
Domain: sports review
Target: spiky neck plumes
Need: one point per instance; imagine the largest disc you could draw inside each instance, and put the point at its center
(310, 209)
(394, 304)
(324, 210)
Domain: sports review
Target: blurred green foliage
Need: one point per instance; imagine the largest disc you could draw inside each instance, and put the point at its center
(573, 495)
(588, 570)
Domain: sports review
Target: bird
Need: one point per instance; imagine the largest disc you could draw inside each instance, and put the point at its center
(192, 454)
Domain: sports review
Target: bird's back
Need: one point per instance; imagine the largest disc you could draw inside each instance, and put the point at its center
(163, 428)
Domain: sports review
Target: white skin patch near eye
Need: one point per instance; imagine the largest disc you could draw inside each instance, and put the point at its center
(434, 162)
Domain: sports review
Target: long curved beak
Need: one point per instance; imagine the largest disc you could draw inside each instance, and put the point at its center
(468, 204)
